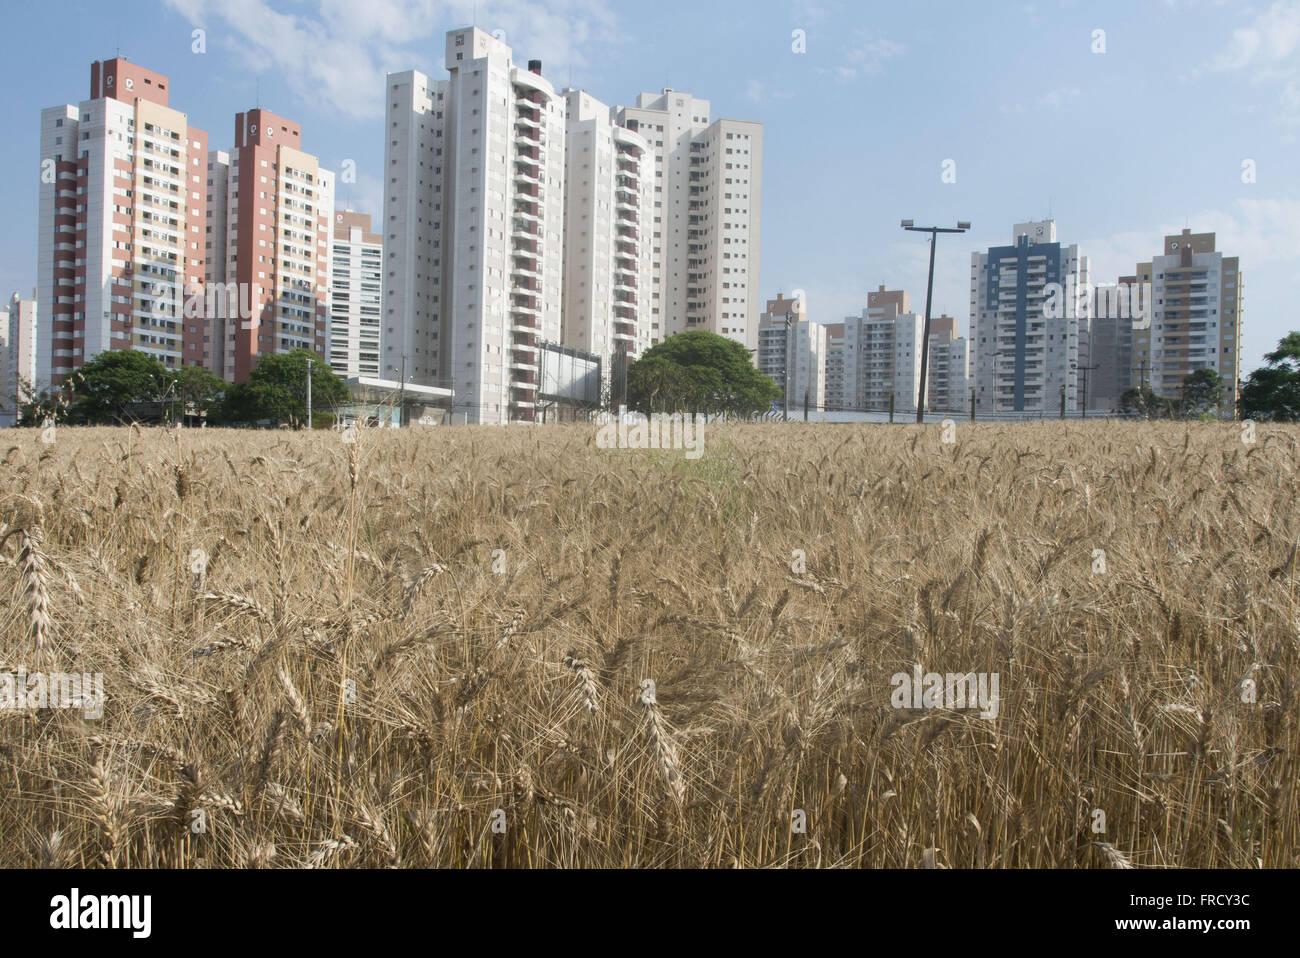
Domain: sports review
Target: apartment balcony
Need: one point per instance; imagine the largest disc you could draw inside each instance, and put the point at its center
(527, 179)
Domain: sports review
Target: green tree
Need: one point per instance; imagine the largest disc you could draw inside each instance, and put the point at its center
(699, 372)
(1272, 392)
(1202, 392)
(1140, 402)
(103, 388)
(198, 390)
(277, 390)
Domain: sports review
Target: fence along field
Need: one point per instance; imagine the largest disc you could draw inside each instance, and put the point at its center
(485, 648)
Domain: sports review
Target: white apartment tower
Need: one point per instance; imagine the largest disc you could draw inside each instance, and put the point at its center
(356, 277)
(1023, 358)
(947, 375)
(608, 264)
(122, 201)
(880, 354)
(412, 230)
(792, 351)
(475, 197)
(1196, 304)
(707, 224)
(17, 354)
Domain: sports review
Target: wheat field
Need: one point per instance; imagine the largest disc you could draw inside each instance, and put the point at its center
(485, 648)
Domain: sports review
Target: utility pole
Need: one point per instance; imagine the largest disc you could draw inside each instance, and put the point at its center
(309, 362)
(401, 396)
(805, 403)
(1062, 400)
(934, 231)
(972, 404)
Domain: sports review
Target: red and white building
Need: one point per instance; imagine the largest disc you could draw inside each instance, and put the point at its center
(121, 224)
(272, 211)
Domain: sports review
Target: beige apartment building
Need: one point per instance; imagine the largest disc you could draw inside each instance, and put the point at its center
(1197, 299)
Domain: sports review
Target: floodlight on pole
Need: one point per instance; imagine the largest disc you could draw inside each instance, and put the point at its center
(934, 231)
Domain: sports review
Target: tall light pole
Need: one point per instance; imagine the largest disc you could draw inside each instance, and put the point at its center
(789, 321)
(401, 396)
(934, 231)
(309, 362)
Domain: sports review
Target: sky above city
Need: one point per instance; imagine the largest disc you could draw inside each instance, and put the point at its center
(1178, 113)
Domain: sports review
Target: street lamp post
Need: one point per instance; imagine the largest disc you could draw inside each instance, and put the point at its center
(934, 231)
(309, 362)
(789, 320)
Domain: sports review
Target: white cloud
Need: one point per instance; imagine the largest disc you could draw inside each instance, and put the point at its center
(754, 91)
(1268, 50)
(868, 56)
(338, 51)
(1271, 40)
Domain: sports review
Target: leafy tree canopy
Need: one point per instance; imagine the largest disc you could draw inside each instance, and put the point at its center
(102, 389)
(1272, 392)
(277, 390)
(699, 372)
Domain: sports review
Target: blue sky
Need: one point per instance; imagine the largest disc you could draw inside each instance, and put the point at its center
(1121, 146)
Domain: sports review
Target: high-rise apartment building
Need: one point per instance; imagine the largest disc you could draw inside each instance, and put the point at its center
(1111, 349)
(473, 227)
(17, 354)
(792, 351)
(879, 356)
(412, 228)
(515, 215)
(356, 296)
(272, 227)
(121, 218)
(947, 375)
(608, 266)
(1196, 315)
(707, 225)
(1023, 355)
(835, 395)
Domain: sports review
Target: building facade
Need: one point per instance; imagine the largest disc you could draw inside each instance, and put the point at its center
(878, 359)
(947, 367)
(17, 355)
(356, 296)
(792, 351)
(121, 220)
(473, 227)
(1024, 357)
(272, 231)
(1197, 297)
(706, 230)
(608, 268)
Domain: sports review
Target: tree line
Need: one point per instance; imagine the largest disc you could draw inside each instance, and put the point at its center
(127, 385)
(697, 371)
